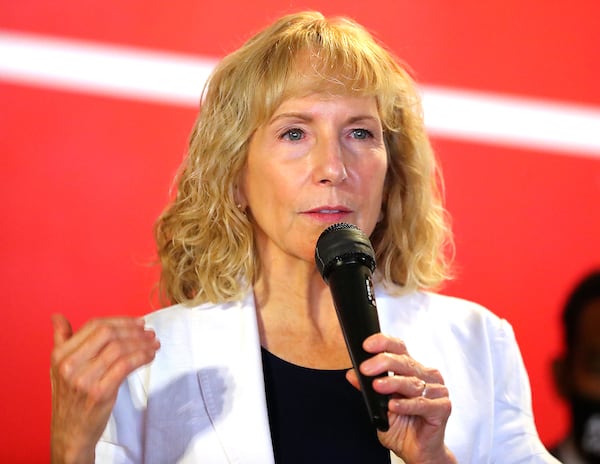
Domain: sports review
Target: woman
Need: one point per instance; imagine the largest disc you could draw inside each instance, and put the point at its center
(310, 123)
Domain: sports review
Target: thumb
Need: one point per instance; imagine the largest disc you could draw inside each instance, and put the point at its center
(352, 378)
(62, 329)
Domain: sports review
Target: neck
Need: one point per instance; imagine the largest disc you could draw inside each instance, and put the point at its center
(297, 319)
(295, 291)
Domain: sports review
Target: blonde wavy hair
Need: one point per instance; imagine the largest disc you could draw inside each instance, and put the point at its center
(205, 243)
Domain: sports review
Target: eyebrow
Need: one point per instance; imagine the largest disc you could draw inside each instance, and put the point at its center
(308, 118)
(290, 115)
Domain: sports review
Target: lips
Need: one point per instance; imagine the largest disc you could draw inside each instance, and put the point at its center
(328, 214)
(329, 210)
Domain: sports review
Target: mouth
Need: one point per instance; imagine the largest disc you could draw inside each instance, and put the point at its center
(329, 210)
(328, 213)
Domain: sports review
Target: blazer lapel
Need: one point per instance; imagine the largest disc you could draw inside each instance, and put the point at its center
(227, 356)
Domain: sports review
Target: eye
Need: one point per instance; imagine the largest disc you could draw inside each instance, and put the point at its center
(293, 134)
(361, 134)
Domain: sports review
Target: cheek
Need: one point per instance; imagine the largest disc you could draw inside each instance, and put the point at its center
(374, 181)
(265, 185)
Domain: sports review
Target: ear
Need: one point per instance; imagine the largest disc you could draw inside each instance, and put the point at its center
(561, 376)
(240, 198)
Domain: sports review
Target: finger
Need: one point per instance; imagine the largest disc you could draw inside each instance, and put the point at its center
(100, 331)
(101, 377)
(434, 391)
(409, 387)
(404, 386)
(83, 347)
(117, 323)
(379, 342)
(124, 366)
(434, 411)
(62, 329)
(401, 364)
(352, 378)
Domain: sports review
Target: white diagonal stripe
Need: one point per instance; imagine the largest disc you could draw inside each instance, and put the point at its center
(178, 79)
(114, 70)
(514, 121)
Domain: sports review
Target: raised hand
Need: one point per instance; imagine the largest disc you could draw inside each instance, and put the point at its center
(87, 368)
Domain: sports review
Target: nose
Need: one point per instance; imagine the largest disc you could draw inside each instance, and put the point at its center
(329, 163)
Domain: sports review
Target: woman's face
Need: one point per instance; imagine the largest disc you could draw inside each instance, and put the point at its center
(319, 160)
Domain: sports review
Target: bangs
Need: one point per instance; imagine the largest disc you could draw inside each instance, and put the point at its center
(331, 71)
(332, 58)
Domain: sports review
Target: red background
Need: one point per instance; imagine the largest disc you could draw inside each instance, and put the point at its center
(84, 176)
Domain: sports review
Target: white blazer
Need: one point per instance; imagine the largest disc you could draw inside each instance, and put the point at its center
(202, 399)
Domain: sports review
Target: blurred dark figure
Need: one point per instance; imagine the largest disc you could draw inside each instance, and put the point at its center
(577, 373)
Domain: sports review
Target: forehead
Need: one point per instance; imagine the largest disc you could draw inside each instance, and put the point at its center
(308, 86)
(309, 72)
(327, 103)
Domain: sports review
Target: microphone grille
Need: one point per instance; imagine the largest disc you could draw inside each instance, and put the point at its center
(343, 243)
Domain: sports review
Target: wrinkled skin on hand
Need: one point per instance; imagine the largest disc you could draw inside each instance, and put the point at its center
(87, 368)
(417, 421)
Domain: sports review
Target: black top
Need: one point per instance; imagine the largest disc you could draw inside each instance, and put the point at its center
(316, 416)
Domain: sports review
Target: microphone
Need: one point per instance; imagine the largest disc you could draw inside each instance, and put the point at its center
(346, 260)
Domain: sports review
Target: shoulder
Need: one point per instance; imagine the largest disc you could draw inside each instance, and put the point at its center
(188, 336)
(436, 306)
(442, 316)
(178, 318)
(171, 321)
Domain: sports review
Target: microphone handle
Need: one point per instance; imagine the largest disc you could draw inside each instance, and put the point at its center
(354, 299)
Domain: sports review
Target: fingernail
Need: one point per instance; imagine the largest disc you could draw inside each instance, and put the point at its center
(367, 368)
(380, 381)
